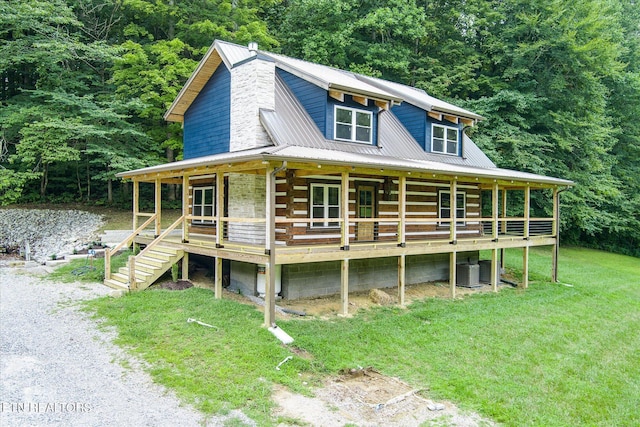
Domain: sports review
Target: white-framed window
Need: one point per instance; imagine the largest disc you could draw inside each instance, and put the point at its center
(444, 206)
(325, 205)
(444, 139)
(353, 125)
(203, 204)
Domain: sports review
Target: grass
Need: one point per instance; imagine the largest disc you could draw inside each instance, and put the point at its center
(553, 355)
(84, 270)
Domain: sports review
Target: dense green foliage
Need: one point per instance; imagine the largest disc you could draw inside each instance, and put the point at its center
(553, 355)
(85, 84)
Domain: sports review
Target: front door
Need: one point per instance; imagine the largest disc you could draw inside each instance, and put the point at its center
(366, 197)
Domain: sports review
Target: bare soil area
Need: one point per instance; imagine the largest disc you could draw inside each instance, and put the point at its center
(362, 396)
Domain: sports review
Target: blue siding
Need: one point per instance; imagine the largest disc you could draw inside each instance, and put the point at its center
(414, 120)
(207, 122)
(349, 102)
(418, 123)
(431, 121)
(312, 97)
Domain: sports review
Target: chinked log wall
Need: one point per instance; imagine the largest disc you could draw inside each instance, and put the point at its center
(292, 201)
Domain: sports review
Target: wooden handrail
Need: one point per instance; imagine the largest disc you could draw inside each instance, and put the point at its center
(126, 242)
(164, 234)
(133, 235)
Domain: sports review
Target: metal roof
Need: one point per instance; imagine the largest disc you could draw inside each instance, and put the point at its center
(341, 158)
(290, 125)
(419, 98)
(296, 137)
(331, 78)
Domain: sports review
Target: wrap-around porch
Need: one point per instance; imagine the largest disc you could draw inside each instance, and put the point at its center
(283, 212)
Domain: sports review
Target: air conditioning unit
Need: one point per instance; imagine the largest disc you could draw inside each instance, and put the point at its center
(468, 275)
(485, 270)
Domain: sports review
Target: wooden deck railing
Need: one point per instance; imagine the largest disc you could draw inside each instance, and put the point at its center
(124, 244)
(164, 234)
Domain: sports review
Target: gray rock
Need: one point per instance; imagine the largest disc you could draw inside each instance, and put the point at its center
(47, 232)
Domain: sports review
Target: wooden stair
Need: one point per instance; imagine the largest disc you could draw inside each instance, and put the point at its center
(149, 266)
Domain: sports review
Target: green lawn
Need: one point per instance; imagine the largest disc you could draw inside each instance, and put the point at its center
(553, 355)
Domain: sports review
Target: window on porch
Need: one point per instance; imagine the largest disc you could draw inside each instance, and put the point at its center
(203, 204)
(444, 206)
(325, 204)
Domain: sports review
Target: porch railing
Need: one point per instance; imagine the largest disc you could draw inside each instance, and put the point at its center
(516, 226)
(128, 241)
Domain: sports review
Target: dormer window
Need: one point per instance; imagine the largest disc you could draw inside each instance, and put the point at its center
(353, 125)
(444, 139)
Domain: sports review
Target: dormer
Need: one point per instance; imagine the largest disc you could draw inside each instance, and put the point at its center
(435, 124)
(344, 109)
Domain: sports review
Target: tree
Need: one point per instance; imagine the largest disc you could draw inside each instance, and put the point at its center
(57, 102)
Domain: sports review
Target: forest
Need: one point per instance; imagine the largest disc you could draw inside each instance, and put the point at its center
(85, 83)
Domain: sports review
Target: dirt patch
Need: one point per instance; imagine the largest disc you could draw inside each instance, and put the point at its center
(331, 305)
(364, 397)
(180, 285)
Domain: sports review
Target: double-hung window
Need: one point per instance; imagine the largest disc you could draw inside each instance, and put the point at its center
(444, 207)
(203, 204)
(353, 125)
(444, 139)
(325, 205)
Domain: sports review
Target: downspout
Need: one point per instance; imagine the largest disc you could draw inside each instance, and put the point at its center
(281, 168)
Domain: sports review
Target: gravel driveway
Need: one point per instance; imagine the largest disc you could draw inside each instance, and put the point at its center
(58, 369)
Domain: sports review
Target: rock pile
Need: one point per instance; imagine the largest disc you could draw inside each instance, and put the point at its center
(47, 232)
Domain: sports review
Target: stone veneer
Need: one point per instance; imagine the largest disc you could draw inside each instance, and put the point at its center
(253, 88)
(247, 194)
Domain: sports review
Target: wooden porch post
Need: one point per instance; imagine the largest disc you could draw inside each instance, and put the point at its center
(270, 237)
(503, 225)
(158, 206)
(525, 267)
(402, 210)
(185, 208)
(555, 231)
(218, 277)
(525, 252)
(527, 211)
(219, 209)
(402, 277)
(495, 268)
(344, 286)
(136, 212)
(453, 208)
(185, 266)
(452, 273)
(136, 203)
(344, 193)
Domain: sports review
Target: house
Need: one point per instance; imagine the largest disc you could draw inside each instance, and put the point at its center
(299, 179)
